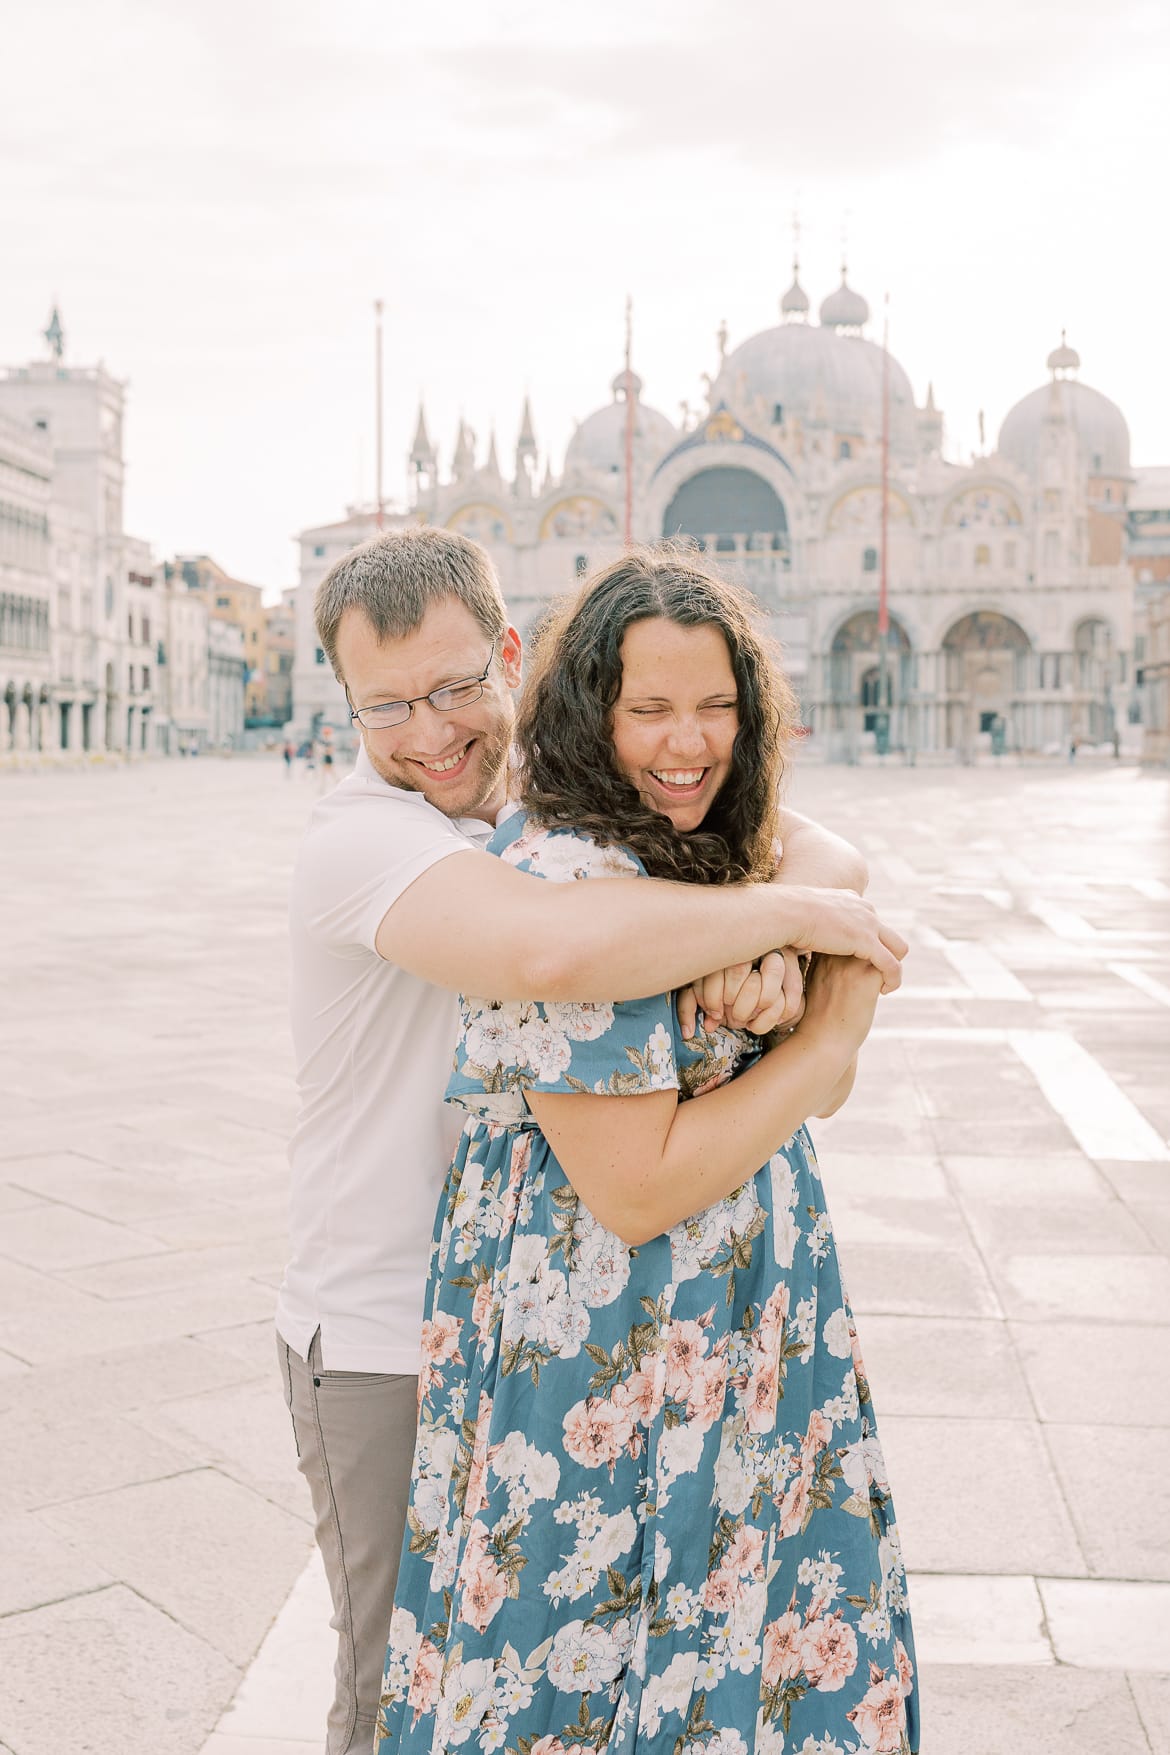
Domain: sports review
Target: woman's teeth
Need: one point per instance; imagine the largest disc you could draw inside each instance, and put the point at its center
(680, 777)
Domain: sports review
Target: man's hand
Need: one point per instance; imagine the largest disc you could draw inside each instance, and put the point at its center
(768, 996)
(840, 924)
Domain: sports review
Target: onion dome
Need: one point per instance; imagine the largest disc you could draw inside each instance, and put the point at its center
(794, 306)
(819, 375)
(1101, 428)
(1063, 358)
(844, 309)
(600, 441)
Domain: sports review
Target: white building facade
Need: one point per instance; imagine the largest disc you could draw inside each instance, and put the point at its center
(1010, 603)
(27, 607)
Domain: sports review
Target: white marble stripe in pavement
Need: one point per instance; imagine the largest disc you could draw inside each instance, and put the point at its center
(983, 972)
(1062, 921)
(1099, 1624)
(1143, 982)
(1104, 1121)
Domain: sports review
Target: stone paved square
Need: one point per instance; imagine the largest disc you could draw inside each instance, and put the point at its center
(1000, 1183)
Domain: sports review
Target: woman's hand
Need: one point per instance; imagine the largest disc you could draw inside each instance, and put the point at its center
(840, 999)
(768, 995)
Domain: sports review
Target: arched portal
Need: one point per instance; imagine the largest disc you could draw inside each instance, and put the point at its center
(1095, 674)
(986, 657)
(728, 509)
(855, 679)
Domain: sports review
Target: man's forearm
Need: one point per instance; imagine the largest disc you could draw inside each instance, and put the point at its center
(815, 856)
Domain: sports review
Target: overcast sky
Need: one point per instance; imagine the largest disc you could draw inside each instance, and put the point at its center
(216, 191)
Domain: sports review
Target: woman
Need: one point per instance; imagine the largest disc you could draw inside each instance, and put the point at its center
(649, 1510)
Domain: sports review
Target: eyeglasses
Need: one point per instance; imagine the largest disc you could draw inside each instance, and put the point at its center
(445, 700)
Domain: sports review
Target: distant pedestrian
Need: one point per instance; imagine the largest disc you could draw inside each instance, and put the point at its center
(289, 752)
(1072, 749)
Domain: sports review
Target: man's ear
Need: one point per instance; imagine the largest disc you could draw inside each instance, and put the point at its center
(512, 657)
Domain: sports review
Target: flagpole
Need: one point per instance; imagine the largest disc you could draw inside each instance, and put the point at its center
(629, 422)
(379, 502)
(883, 584)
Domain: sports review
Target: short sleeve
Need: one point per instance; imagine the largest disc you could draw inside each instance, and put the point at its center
(358, 858)
(507, 1047)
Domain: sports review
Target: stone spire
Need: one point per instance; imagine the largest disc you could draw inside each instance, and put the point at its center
(55, 336)
(422, 452)
(526, 457)
(463, 462)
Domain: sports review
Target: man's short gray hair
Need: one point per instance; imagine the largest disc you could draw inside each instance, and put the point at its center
(395, 578)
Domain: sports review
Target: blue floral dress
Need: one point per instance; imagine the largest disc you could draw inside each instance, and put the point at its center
(648, 1509)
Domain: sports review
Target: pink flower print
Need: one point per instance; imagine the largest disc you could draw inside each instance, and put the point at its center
(763, 1386)
(640, 1396)
(745, 1553)
(426, 1680)
(596, 1432)
(685, 1345)
(783, 1658)
(707, 1393)
(521, 1153)
(879, 1718)
(484, 1586)
(794, 1507)
(905, 1667)
(720, 1591)
(477, 1474)
(481, 1309)
(548, 1746)
(775, 1311)
(815, 1439)
(829, 1651)
(440, 1339)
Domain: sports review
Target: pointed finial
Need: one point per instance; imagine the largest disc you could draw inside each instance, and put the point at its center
(527, 439)
(55, 336)
(982, 435)
(722, 336)
(493, 461)
(421, 451)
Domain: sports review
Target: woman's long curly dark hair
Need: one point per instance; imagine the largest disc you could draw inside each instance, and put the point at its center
(569, 774)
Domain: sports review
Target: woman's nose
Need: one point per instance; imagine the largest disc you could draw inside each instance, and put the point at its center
(686, 736)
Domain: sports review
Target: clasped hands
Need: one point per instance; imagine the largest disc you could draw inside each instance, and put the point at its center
(760, 997)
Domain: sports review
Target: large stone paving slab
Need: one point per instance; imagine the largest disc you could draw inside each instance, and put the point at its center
(202, 1547)
(107, 1673)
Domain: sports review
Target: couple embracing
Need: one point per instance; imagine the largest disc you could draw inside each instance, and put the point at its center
(642, 1506)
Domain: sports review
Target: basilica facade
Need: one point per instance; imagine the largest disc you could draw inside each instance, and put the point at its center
(1010, 599)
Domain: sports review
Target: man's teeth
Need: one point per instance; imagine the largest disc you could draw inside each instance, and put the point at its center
(449, 762)
(678, 776)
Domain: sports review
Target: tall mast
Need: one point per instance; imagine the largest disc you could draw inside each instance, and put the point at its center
(883, 577)
(379, 502)
(629, 422)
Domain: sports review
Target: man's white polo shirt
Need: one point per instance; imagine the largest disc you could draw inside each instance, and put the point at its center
(373, 1049)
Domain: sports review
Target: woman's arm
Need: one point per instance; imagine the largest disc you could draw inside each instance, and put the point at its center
(642, 1163)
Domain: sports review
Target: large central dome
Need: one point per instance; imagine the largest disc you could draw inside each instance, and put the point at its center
(819, 375)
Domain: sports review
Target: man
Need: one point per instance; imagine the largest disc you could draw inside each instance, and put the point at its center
(387, 925)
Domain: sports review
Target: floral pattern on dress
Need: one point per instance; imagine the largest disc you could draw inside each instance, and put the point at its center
(649, 1510)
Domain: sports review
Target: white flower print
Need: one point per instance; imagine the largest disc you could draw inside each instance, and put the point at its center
(580, 1023)
(466, 1697)
(836, 1335)
(583, 1657)
(545, 1049)
(669, 1692)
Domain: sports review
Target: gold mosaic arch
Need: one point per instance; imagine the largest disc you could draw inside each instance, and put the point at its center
(577, 516)
(982, 507)
(482, 522)
(859, 509)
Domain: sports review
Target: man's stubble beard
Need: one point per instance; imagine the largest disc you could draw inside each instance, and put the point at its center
(494, 749)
